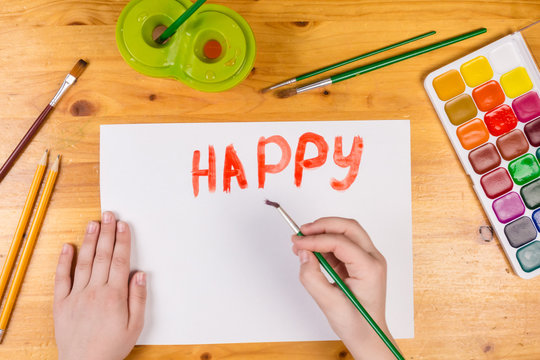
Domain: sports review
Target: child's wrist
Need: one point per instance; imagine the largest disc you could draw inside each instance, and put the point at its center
(371, 346)
(371, 350)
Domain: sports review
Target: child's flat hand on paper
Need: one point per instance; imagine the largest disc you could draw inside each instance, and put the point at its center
(349, 250)
(100, 314)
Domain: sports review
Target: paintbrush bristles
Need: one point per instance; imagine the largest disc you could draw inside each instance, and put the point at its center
(78, 68)
(286, 93)
(286, 216)
(271, 203)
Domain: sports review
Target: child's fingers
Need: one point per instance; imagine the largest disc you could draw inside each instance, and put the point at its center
(348, 227)
(337, 265)
(83, 270)
(119, 272)
(334, 262)
(104, 249)
(62, 279)
(137, 301)
(315, 282)
(332, 259)
(356, 259)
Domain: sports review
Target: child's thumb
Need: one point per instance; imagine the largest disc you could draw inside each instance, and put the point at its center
(137, 301)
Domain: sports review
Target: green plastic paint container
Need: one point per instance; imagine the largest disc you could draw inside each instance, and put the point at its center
(183, 57)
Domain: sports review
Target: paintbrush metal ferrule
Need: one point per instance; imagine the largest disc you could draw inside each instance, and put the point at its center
(68, 81)
(281, 84)
(289, 220)
(314, 85)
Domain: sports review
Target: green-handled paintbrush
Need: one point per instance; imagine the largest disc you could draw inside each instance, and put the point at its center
(378, 64)
(339, 282)
(178, 22)
(345, 62)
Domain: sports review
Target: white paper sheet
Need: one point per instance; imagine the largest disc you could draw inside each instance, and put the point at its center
(220, 266)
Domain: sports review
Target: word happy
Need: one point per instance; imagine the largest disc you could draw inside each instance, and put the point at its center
(233, 167)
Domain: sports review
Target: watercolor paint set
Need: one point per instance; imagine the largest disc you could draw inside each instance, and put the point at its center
(489, 104)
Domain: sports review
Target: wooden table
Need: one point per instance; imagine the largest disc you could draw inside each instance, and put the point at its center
(468, 303)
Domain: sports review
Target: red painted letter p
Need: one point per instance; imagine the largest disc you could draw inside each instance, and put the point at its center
(301, 163)
(261, 157)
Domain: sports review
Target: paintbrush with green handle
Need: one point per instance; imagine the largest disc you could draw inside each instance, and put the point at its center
(345, 62)
(341, 284)
(378, 64)
(178, 22)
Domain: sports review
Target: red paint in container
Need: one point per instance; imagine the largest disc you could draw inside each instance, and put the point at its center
(500, 120)
(212, 49)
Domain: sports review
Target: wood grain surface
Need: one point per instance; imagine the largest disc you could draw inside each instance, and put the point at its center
(468, 303)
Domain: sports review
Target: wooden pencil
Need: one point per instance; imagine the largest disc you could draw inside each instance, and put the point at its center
(28, 247)
(23, 222)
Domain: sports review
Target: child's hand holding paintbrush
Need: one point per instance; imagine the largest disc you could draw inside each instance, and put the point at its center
(350, 251)
(346, 253)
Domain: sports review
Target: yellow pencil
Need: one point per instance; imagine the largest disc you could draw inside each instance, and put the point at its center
(21, 226)
(28, 247)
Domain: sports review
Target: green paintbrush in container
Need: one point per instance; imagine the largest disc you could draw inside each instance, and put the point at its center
(178, 22)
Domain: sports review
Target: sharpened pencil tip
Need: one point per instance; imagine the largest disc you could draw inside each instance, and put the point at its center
(271, 203)
(44, 157)
(56, 164)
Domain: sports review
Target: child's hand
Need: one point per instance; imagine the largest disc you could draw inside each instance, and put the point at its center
(96, 316)
(349, 250)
